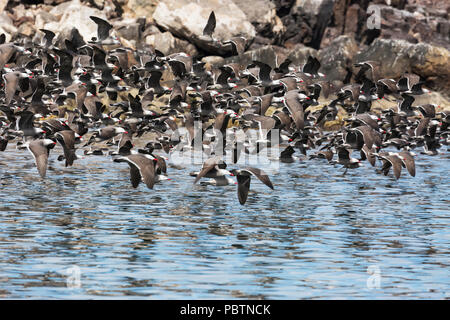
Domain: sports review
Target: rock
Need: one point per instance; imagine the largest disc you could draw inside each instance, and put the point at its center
(139, 8)
(400, 56)
(130, 29)
(42, 18)
(67, 33)
(20, 12)
(73, 14)
(3, 4)
(54, 2)
(329, 35)
(6, 26)
(443, 28)
(413, 23)
(262, 15)
(213, 61)
(336, 59)
(151, 29)
(307, 21)
(300, 53)
(168, 44)
(270, 54)
(352, 22)
(186, 19)
(27, 29)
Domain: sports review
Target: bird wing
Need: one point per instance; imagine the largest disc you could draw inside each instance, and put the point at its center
(366, 153)
(408, 161)
(67, 140)
(261, 175)
(208, 165)
(243, 187)
(161, 163)
(396, 163)
(287, 153)
(264, 70)
(148, 174)
(135, 175)
(210, 25)
(367, 135)
(103, 28)
(12, 81)
(40, 155)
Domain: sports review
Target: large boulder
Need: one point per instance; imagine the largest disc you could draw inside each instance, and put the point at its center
(262, 14)
(73, 14)
(186, 19)
(269, 54)
(299, 54)
(139, 8)
(411, 22)
(43, 17)
(416, 26)
(213, 62)
(168, 44)
(6, 26)
(337, 58)
(131, 29)
(400, 56)
(307, 21)
(3, 4)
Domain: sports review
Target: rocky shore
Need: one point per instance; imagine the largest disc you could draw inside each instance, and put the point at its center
(413, 35)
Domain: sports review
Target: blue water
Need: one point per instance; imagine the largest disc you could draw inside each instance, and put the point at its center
(318, 235)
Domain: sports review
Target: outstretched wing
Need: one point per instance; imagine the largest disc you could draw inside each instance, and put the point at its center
(210, 25)
(261, 175)
(103, 28)
(243, 187)
(208, 165)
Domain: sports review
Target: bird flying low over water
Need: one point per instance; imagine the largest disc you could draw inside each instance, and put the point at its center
(135, 104)
(215, 169)
(40, 149)
(243, 177)
(144, 167)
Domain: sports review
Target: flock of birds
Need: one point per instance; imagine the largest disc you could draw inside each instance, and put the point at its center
(39, 81)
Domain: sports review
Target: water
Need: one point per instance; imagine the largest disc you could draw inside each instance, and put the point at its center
(85, 233)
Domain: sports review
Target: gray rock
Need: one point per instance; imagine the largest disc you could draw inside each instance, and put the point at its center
(186, 19)
(400, 56)
(336, 59)
(300, 53)
(307, 21)
(74, 14)
(42, 18)
(214, 61)
(6, 26)
(130, 29)
(3, 4)
(140, 8)
(269, 54)
(168, 44)
(262, 15)
(54, 2)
